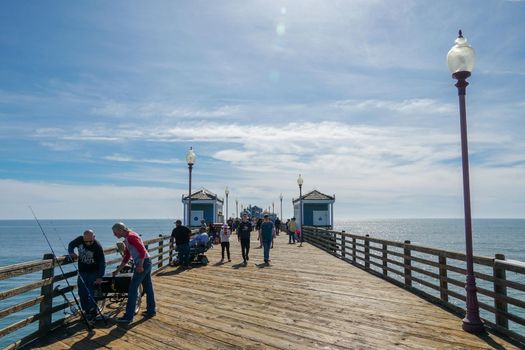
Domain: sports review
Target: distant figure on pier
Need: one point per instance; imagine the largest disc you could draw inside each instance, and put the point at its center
(225, 241)
(277, 226)
(292, 227)
(258, 229)
(267, 233)
(181, 235)
(243, 235)
(91, 268)
(141, 275)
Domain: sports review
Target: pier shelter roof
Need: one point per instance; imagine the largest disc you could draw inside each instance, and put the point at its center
(203, 195)
(315, 195)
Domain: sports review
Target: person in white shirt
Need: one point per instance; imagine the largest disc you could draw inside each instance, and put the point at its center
(225, 241)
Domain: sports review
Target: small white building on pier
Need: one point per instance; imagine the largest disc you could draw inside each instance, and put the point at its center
(205, 205)
(317, 210)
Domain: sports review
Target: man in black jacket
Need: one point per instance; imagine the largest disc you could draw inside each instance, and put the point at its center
(243, 235)
(91, 268)
(181, 235)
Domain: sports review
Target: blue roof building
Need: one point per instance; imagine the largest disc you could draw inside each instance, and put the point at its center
(318, 209)
(205, 205)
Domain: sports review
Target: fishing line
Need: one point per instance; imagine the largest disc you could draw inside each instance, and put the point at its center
(82, 313)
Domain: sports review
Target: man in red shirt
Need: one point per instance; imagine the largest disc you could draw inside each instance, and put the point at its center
(141, 275)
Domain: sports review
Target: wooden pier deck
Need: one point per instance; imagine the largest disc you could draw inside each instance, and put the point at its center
(306, 299)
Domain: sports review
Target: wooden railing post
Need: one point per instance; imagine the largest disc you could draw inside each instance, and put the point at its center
(500, 289)
(343, 244)
(170, 250)
(161, 255)
(354, 251)
(367, 253)
(44, 322)
(443, 283)
(407, 262)
(385, 263)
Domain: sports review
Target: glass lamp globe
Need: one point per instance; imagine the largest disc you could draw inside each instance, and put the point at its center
(300, 180)
(227, 191)
(461, 56)
(191, 157)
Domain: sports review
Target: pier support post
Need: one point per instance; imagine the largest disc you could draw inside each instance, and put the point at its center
(385, 262)
(500, 289)
(367, 252)
(354, 251)
(407, 262)
(343, 245)
(443, 284)
(161, 255)
(44, 322)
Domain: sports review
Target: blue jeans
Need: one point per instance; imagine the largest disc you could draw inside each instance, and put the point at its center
(143, 278)
(184, 254)
(266, 249)
(85, 291)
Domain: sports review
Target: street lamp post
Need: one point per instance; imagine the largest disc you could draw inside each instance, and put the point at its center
(190, 159)
(236, 208)
(273, 208)
(300, 183)
(227, 192)
(460, 61)
(281, 199)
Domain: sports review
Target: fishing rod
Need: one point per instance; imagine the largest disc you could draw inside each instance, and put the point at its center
(82, 313)
(83, 282)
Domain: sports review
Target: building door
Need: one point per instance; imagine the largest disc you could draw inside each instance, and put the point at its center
(320, 217)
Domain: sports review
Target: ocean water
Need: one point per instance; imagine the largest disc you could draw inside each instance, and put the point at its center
(22, 240)
(489, 236)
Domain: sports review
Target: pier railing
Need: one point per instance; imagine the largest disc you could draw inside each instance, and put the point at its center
(436, 275)
(46, 301)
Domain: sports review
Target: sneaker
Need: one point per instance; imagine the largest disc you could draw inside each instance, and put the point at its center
(229, 260)
(247, 257)
(123, 320)
(149, 314)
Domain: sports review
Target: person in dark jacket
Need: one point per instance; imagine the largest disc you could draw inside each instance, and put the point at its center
(91, 269)
(243, 235)
(266, 234)
(181, 235)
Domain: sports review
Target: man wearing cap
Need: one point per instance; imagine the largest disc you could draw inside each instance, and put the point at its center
(243, 235)
(181, 234)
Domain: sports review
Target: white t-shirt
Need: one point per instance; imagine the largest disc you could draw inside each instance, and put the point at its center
(225, 236)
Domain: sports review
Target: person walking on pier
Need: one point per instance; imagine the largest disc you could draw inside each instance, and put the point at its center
(141, 275)
(181, 234)
(277, 226)
(267, 232)
(225, 241)
(243, 235)
(292, 227)
(91, 268)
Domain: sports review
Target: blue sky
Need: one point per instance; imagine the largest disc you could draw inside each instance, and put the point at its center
(99, 101)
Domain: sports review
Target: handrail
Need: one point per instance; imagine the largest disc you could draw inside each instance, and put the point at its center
(161, 251)
(436, 274)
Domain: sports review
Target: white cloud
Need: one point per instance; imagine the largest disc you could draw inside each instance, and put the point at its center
(121, 158)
